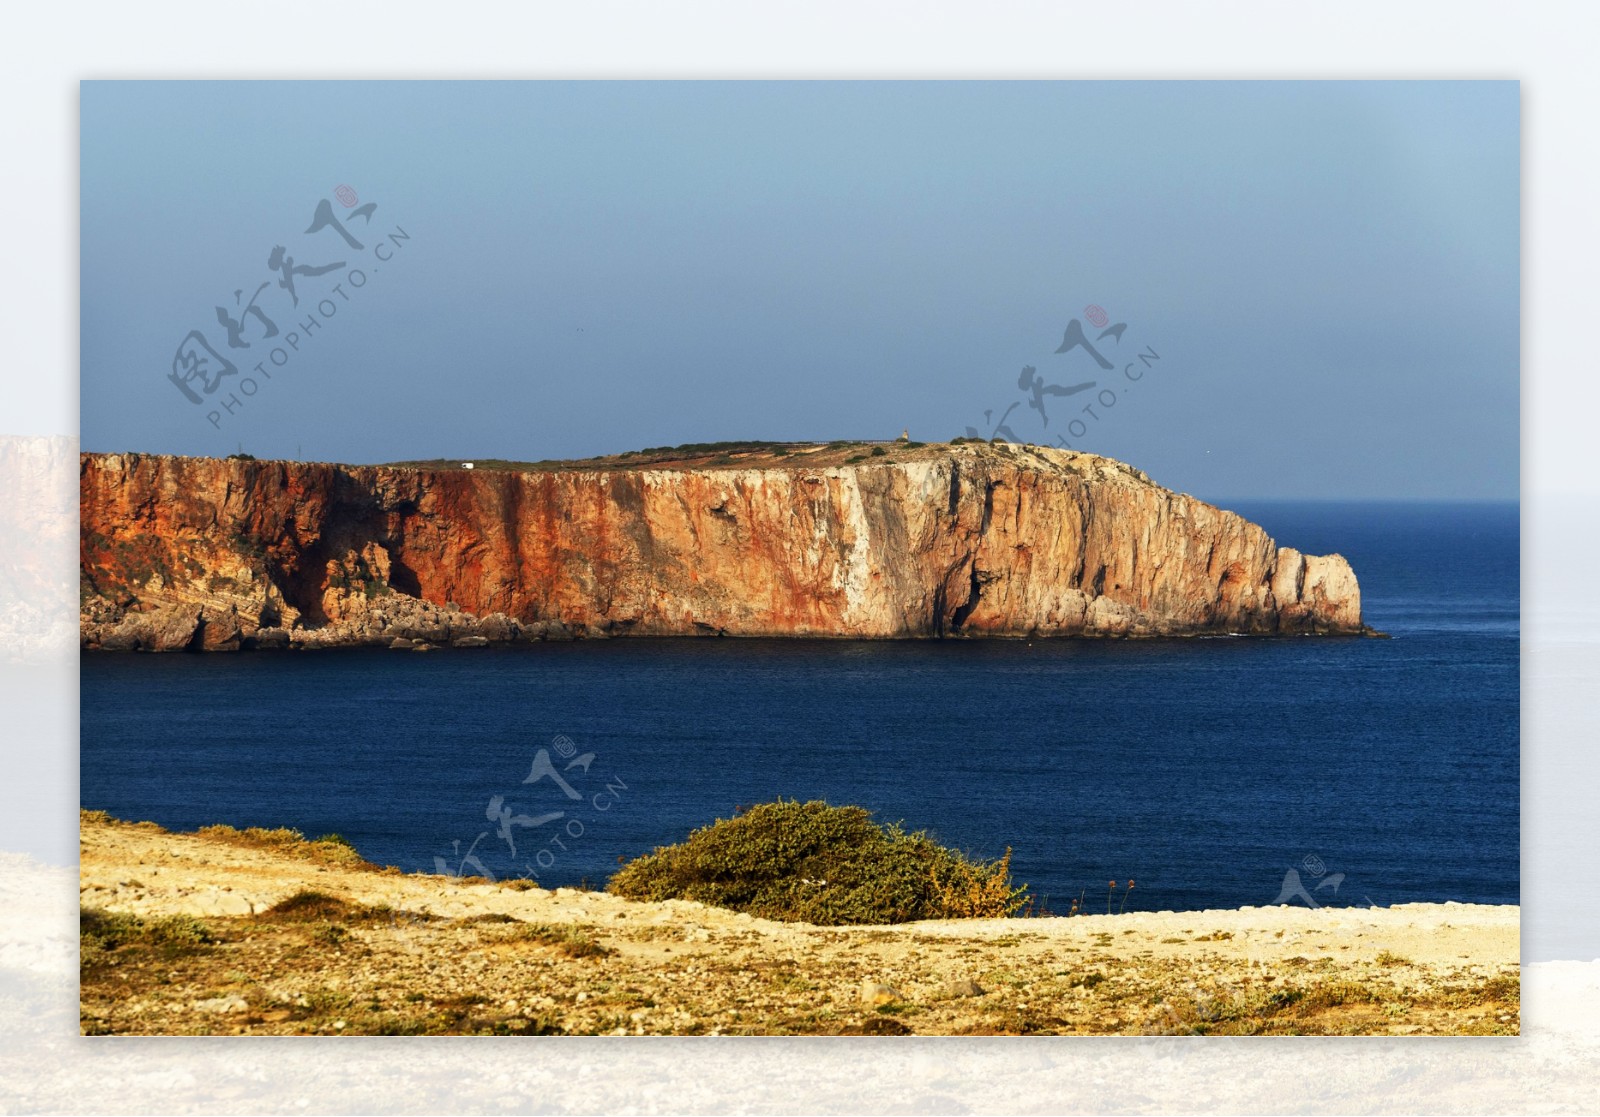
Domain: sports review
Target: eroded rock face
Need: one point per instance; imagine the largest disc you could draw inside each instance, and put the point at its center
(966, 540)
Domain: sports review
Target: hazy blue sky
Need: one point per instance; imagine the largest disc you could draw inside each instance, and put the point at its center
(1328, 271)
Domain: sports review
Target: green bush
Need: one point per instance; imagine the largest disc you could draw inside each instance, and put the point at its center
(814, 863)
(101, 933)
(878, 451)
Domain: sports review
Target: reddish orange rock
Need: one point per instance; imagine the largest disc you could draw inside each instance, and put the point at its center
(964, 540)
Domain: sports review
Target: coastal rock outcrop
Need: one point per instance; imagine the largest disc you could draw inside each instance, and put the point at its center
(940, 541)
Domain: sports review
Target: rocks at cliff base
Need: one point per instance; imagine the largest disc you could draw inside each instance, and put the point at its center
(165, 627)
(267, 638)
(400, 622)
(220, 631)
(969, 540)
(498, 628)
(161, 629)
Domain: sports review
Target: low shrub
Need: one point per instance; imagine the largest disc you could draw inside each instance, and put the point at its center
(117, 928)
(1331, 994)
(307, 906)
(815, 863)
(310, 906)
(329, 849)
(102, 933)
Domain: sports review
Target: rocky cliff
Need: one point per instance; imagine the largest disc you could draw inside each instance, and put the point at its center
(938, 541)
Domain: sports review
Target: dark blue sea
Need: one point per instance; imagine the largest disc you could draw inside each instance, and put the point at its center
(1379, 771)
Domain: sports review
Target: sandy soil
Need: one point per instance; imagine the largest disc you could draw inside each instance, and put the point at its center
(389, 953)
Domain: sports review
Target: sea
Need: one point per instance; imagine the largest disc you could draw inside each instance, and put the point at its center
(1210, 773)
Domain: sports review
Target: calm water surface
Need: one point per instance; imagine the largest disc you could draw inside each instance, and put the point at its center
(1202, 769)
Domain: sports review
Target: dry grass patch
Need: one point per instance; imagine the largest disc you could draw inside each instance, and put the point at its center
(565, 938)
(330, 849)
(102, 935)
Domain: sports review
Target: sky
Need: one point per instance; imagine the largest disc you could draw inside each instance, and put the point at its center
(1317, 282)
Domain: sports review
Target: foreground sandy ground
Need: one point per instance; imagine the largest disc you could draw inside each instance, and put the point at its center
(383, 953)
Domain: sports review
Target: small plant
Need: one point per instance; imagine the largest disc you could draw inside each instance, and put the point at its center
(574, 942)
(878, 451)
(1388, 958)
